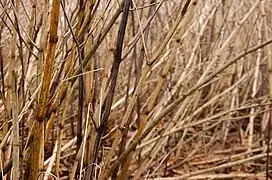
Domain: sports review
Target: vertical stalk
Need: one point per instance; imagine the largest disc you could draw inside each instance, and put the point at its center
(36, 165)
(6, 117)
(89, 83)
(15, 131)
(134, 59)
(10, 97)
(109, 98)
(43, 41)
(81, 84)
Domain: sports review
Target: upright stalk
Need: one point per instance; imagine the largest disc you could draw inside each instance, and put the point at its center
(15, 134)
(109, 98)
(37, 152)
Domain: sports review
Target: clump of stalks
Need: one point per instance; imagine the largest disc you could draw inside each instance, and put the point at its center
(135, 89)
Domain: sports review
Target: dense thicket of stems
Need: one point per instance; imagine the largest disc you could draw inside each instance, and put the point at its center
(135, 89)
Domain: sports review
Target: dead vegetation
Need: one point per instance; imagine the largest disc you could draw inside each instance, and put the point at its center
(135, 89)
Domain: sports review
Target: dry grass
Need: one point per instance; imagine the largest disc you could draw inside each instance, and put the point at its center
(185, 95)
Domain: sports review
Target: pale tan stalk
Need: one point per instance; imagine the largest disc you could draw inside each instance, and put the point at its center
(11, 100)
(84, 140)
(15, 131)
(255, 90)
